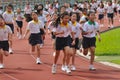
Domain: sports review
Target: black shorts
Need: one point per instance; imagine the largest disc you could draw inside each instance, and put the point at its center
(88, 42)
(52, 35)
(11, 27)
(100, 16)
(62, 42)
(4, 45)
(110, 15)
(28, 17)
(42, 32)
(115, 10)
(76, 46)
(35, 39)
(119, 11)
(20, 24)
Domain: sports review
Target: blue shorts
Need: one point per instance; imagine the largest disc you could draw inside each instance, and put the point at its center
(4, 45)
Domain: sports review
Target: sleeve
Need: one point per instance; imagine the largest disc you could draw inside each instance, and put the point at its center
(82, 19)
(4, 15)
(9, 30)
(28, 26)
(85, 27)
(54, 30)
(97, 27)
(41, 25)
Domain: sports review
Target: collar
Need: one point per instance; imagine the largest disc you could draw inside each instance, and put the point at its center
(36, 22)
(3, 27)
(91, 23)
(74, 24)
(63, 25)
(9, 12)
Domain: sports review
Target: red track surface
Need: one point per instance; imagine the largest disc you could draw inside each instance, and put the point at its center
(21, 65)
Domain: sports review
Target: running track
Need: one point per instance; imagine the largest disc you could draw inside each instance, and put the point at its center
(21, 65)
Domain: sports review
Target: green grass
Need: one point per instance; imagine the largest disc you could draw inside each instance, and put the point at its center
(112, 59)
(110, 44)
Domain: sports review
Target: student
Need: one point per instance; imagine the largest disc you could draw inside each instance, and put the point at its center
(35, 40)
(28, 11)
(5, 36)
(42, 18)
(1, 10)
(101, 12)
(19, 18)
(118, 8)
(110, 14)
(9, 17)
(84, 17)
(62, 31)
(76, 30)
(90, 29)
(50, 27)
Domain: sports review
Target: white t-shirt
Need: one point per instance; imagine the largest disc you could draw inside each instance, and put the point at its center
(76, 28)
(1, 12)
(28, 10)
(83, 18)
(118, 7)
(88, 27)
(51, 11)
(4, 33)
(100, 10)
(35, 27)
(19, 17)
(67, 30)
(110, 9)
(42, 18)
(8, 17)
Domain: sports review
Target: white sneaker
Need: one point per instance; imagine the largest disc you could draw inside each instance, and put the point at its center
(92, 68)
(54, 70)
(20, 37)
(10, 51)
(1, 66)
(18, 34)
(63, 68)
(38, 61)
(54, 53)
(68, 71)
(112, 26)
(41, 45)
(73, 68)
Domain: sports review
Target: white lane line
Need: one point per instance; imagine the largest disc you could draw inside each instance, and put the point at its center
(13, 78)
(59, 70)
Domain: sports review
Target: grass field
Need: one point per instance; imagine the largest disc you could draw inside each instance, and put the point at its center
(109, 48)
(110, 44)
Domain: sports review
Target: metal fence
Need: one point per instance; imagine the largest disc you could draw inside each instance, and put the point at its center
(21, 3)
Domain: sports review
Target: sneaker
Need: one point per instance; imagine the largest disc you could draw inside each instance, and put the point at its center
(73, 68)
(92, 68)
(18, 34)
(54, 70)
(112, 26)
(68, 71)
(20, 37)
(54, 53)
(10, 51)
(38, 61)
(41, 45)
(63, 68)
(1, 66)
